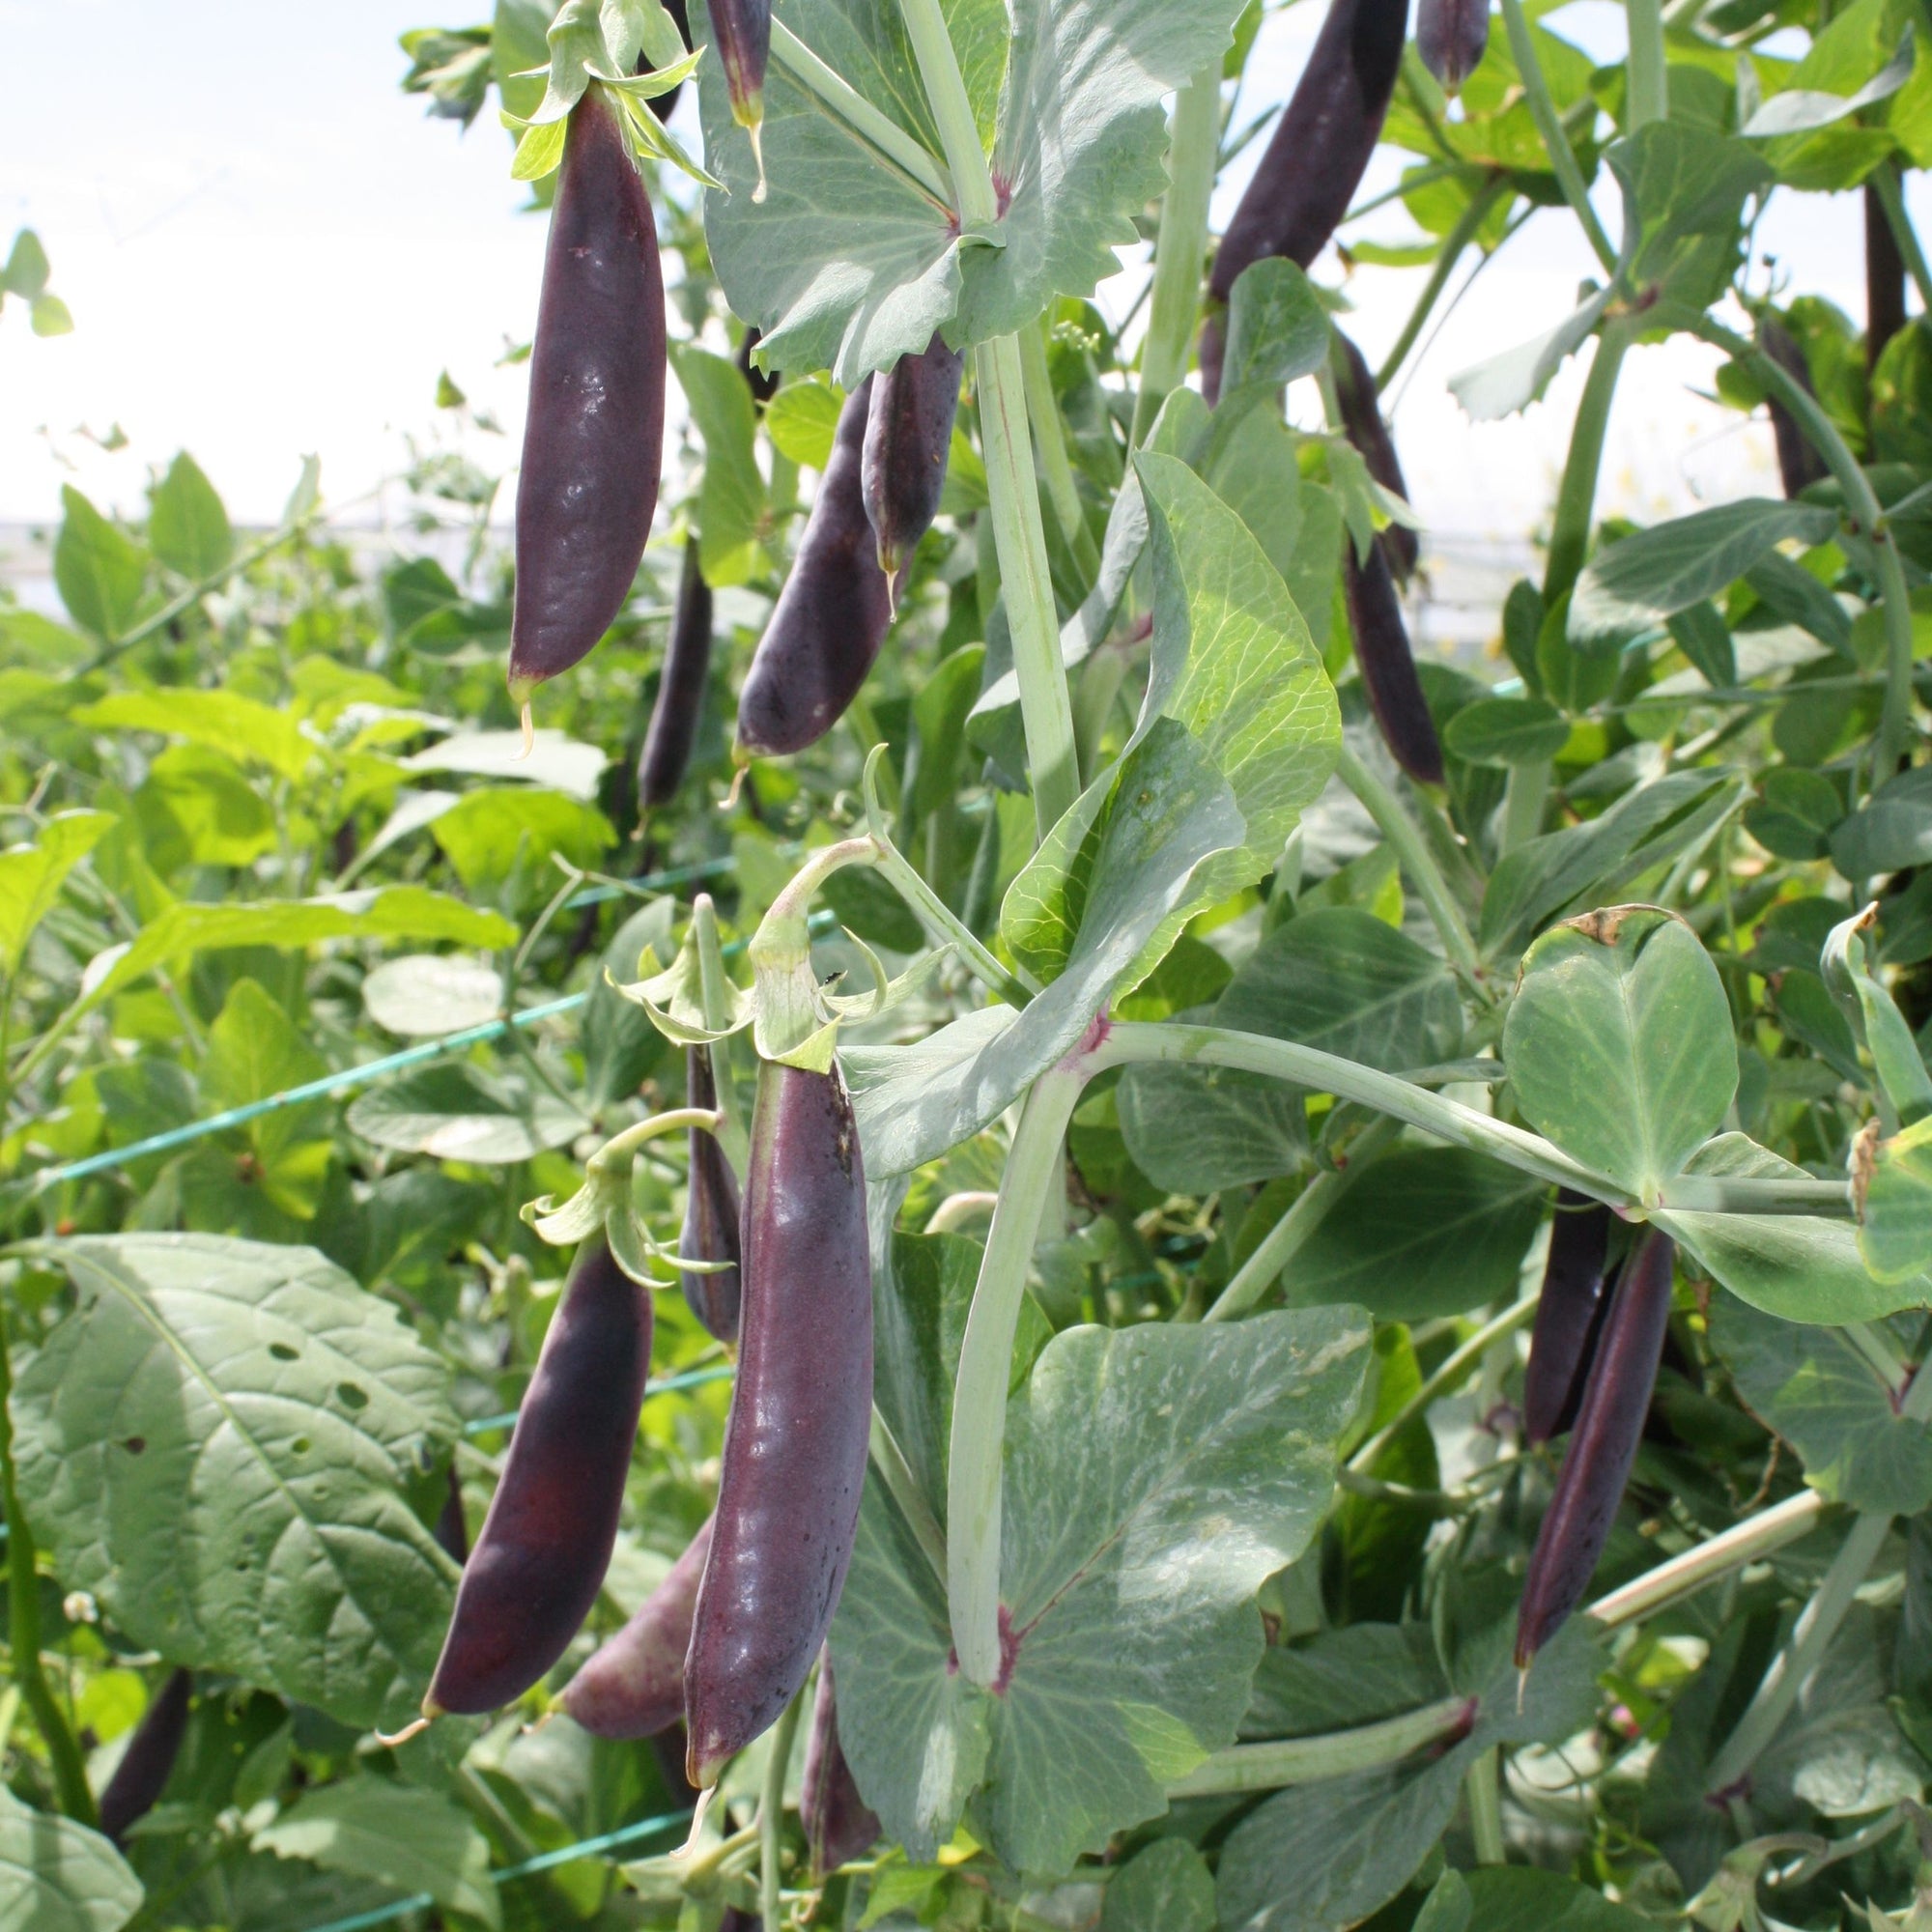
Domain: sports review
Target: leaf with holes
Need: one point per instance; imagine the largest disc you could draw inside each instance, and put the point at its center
(214, 1443)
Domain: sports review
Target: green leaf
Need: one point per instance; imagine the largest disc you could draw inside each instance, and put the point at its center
(255, 1051)
(458, 1111)
(1705, 639)
(1800, 1267)
(1821, 1395)
(1684, 190)
(411, 1840)
(1504, 383)
(1277, 329)
(552, 759)
(803, 418)
(222, 720)
(30, 876)
(49, 315)
(1517, 1898)
(26, 272)
(731, 500)
(57, 1876)
(426, 993)
(98, 569)
(1639, 582)
(1507, 731)
(1882, 1030)
(1447, 1907)
(1421, 1232)
(1198, 1129)
(1619, 1044)
(491, 836)
(1797, 809)
(198, 808)
(1890, 831)
(1134, 1631)
(187, 524)
(1167, 1887)
(214, 1444)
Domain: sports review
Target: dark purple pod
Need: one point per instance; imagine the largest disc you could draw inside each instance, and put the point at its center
(1362, 424)
(451, 1531)
(1307, 178)
(763, 386)
(634, 1685)
(1602, 1445)
(142, 1775)
(801, 1418)
(1884, 279)
(825, 631)
(1569, 1316)
(1450, 36)
(1798, 465)
(544, 1544)
(593, 439)
(680, 699)
(1387, 667)
(908, 435)
(838, 1824)
(743, 31)
(711, 1212)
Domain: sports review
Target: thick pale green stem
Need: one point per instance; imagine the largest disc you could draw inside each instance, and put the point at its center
(951, 111)
(1194, 134)
(771, 1818)
(1480, 1786)
(1744, 1543)
(1290, 1233)
(1458, 237)
(1412, 852)
(1267, 1767)
(1549, 125)
(985, 1359)
(1884, 179)
(1577, 497)
(1044, 410)
(845, 103)
(1649, 78)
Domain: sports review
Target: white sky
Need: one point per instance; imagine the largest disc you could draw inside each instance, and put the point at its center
(268, 249)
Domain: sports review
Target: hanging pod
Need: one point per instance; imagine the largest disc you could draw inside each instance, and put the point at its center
(634, 1685)
(795, 1446)
(839, 1826)
(825, 631)
(1602, 1445)
(142, 1775)
(743, 32)
(1569, 1316)
(1798, 465)
(451, 1531)
(712, 1214)
(1304, 183)
(593, 438)
(1451, 36)
(908, 434)
(540, 1557)
(1362, 413)
(1388, 666)
(681, 681)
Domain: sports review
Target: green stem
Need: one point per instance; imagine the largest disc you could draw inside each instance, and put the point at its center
(985, 1361)
(1577, 497)
(1285, 1761)
(1458, 237)
(1290, 1233)
(896, 1472)
(1044, 410)
(1193, 137)
(23, 1622)
(1020, 541)
(1454, 1367)
(1549, 125)
(951, 111)
(1481, 1786)
(771, 1817)
(1649, 78)
(1884, 184)
(845, 103)
(1411, 851)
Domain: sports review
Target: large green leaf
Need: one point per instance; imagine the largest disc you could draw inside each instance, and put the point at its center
(255, 1050)
(214, 1444)
(1155, 1477)
(1519, 1898)
(731, 500)
(496, 835)
(57, 1876)
(411, 1840)
(1198, 1129)
(187, 524)
(1683, 194)
(1890, 831)
(1619, 1044)
(1166, 1887)
(458, 1111)
(98, 569)
(223, 721)
(30, 876)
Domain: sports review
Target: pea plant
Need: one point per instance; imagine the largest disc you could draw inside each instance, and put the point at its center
(972, 1215)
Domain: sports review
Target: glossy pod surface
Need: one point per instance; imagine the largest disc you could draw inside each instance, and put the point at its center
(1569, 1313)
(1363, 425)
(795, 1446)
(540, 1557)
(908, 434)
(826, 629)
(594, 436)
(680, 699)
(711, 1212)
(1602, 1445)
(1387, 667)
(634, 1686)
(142, 1775)
(1307, 178)
(1798, 465)
(838, 1824)
(1451, 36)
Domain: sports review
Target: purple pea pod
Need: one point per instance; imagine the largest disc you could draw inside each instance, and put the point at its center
(1798, 465)
(1363, 425)
(634, 1685)
(546, 1543)
(825, 631)
(838, 1824)
(712, 1213)
(142, 1775)
(908, 435)
(743, 31)
(1602, 1446)
(1450, 36)
(451, 1532)
(593, 439)
(680, 699)
(1569, 1316)
(763, 387)
(796, 1444)
(1387, 665)
(1307, 178)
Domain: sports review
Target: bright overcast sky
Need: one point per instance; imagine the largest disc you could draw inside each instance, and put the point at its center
(268, 249)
